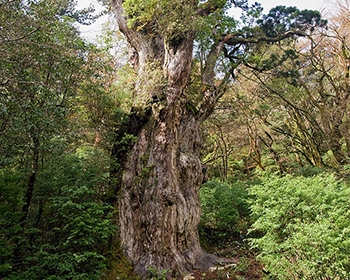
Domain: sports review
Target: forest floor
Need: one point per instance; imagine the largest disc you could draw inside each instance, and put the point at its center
(237, 250)
(246, 268)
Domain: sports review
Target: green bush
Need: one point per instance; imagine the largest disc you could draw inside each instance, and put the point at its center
(305, 226)
(66, 239)
(224, 206)
(11, 188)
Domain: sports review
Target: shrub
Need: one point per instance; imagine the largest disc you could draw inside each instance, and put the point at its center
(66, 239)
(305, 224)
(223, 205)
(11, 188)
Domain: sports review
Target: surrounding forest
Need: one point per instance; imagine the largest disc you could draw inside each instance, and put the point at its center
(182, 139)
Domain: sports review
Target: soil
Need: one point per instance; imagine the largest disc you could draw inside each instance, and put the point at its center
(236, 249)
(246, 268)
(251, 269)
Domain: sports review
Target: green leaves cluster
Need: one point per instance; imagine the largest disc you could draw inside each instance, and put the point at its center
(305, 225)
(68, 226)
(172, 19)
(40, 68)
(54, 223)
(141, 11)
(224, 206)
(281, 19)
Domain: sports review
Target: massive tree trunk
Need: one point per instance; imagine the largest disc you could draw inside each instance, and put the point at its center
(159, 208)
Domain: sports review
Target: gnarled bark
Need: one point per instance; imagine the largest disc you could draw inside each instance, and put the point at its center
(159, 205)
(159, 208)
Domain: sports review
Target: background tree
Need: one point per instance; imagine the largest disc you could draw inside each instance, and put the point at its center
(48, 178)
(308, 82)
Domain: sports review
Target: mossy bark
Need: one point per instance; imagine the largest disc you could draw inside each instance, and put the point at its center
(159, 207)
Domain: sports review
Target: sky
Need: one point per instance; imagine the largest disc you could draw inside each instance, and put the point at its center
(90, 32)
(301, 4)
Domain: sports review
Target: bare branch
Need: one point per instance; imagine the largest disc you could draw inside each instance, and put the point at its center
(20, 38)
(233, 40)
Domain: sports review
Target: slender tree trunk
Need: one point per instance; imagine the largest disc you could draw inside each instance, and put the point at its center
(32, 177)
(28, 193)
(273, 152)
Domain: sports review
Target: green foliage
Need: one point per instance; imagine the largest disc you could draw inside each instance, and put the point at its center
(282, 18)
(53, 221)
(66, 240)
(157, 275)
(173, 19)
(40, 70)
(11, 188)
(305, 226)
(224, 206)
(169, 17)
(309, 171)
(126, 141)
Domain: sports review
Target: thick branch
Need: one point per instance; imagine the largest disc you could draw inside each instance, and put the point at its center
(211, 94)
(144, 47)
(232, 40)
(20, 38)
(209, 68)
(132, 36)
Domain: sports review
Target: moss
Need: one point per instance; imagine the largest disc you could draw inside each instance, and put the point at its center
(144, 158)
(191, 108)
(146, 172)
(118, 266)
